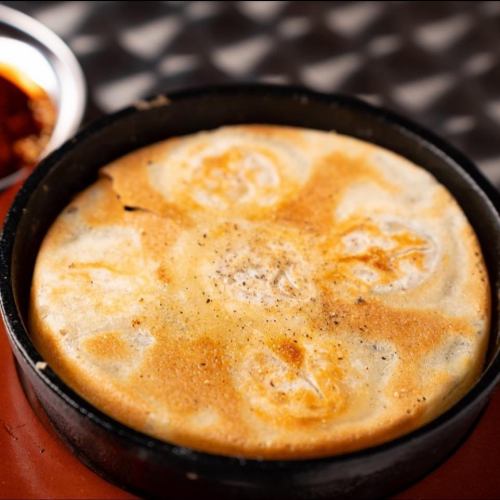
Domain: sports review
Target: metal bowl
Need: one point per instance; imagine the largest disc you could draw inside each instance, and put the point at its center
(152, 467)
(36, 52)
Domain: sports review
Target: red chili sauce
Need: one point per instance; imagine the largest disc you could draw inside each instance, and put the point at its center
(27, 118)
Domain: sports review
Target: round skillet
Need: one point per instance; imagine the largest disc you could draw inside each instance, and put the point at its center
(149, 466)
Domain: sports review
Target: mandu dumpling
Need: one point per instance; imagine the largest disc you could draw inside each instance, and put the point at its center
(264, 291)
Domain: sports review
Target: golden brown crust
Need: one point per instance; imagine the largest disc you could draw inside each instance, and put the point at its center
(264, 291)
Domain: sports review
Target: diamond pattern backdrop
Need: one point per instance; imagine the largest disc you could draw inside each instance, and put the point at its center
(436, 62)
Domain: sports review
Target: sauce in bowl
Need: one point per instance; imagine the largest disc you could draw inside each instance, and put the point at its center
(27, 119)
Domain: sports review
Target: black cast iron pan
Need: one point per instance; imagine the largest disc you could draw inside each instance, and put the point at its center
(148, 466)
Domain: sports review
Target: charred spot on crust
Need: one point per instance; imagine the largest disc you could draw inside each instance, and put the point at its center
(290, 352)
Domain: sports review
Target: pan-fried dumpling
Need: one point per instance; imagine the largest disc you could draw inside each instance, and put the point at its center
(264, 291)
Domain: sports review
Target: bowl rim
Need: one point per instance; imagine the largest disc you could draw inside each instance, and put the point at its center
(19, 337)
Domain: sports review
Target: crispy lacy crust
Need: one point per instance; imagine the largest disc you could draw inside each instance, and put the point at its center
(264, 291)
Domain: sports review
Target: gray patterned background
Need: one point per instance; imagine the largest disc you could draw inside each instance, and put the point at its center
(436, 62)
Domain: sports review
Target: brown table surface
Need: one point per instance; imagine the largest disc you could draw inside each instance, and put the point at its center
(34, 463)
